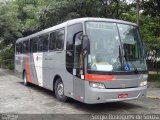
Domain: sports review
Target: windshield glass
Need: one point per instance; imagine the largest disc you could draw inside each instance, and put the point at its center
(132, 45)
(106, 46)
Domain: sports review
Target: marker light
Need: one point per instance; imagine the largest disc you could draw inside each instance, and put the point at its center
(144, 83)
(97, 85)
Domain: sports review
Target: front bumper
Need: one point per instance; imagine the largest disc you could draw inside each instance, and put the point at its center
(95, 95)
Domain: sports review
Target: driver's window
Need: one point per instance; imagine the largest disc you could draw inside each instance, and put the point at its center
(78, 60)
(73, 47)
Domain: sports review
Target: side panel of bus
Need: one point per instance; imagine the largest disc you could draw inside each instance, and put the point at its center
(42, 67)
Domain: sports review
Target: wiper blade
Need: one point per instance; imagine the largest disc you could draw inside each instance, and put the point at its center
(120, 57)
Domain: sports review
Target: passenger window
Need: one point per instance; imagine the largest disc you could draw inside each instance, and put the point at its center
(43, 43)
(56, 40)
(74, 47)
(19, 48)
(72, 30)
(52, 45)
(78, 57)
(34, 45)
(26, 47)
(60, 39)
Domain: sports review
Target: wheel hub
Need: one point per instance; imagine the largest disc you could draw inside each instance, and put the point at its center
(60, 89)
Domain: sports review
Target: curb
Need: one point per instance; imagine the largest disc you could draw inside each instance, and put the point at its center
(153, 97)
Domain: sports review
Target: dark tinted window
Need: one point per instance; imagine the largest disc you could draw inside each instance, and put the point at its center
(43, 43)
(60, 39)
(19, 48)
(52, 45)
(26, 47)
(78, 60)
(34, 44)
(73, 30)
(57, 40)
(73, 55)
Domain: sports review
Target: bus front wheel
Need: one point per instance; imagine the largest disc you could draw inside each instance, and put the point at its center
(59, 90)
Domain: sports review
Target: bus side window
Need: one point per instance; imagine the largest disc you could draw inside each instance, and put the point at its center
(26, 46)
(73, 60)
(78, 61)
(17, 48)
(34, 44)
(72, 30)
(43, 43)
(59, 39)
(52, 44)
(20, 47)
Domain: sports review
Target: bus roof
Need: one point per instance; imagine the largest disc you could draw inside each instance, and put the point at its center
(74, 21)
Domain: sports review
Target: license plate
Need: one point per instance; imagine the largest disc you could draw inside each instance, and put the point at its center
(125, 95)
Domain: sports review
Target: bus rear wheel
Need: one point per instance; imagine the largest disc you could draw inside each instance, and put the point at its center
(25, 80)
(59, 90)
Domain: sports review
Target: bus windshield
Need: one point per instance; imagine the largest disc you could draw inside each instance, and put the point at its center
(114, 47)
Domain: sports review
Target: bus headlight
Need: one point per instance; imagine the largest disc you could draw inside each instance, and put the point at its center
(97, 85)
(144, 83)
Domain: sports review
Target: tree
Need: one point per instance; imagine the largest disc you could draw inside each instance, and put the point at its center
(59, 11)
(20, 18)
(10, 27)
(150, 27)
(10, 30)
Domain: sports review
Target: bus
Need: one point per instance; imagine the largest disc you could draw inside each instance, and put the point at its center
(92, 60)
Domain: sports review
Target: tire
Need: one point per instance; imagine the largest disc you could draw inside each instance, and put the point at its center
(59, 90)
(25, 80)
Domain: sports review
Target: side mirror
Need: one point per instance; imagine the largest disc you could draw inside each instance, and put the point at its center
(86, 45)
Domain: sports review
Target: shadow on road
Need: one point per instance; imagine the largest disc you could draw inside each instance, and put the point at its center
(89, 108)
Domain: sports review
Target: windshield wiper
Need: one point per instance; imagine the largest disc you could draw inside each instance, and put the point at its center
(120, 57)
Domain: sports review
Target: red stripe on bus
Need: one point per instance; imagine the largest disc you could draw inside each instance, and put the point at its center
(28, 71)
(98, 77)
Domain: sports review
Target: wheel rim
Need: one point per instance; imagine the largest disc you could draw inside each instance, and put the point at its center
(60, 89)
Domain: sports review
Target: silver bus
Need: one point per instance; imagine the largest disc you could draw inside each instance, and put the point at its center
(92, 60)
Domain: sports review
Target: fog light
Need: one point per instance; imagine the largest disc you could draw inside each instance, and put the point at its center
(97, 85)
(144, 83)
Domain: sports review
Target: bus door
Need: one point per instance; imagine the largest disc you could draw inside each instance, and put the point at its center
(78, 77)
(37, 62)
(73, 61)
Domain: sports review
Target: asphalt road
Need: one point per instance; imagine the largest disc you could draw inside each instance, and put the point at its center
(17, 98)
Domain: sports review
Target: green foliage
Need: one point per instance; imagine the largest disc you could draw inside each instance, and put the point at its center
(59, 11)
(9, 24)
(7, 58)
(150, 29)
(20, 18)
(154, 77)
